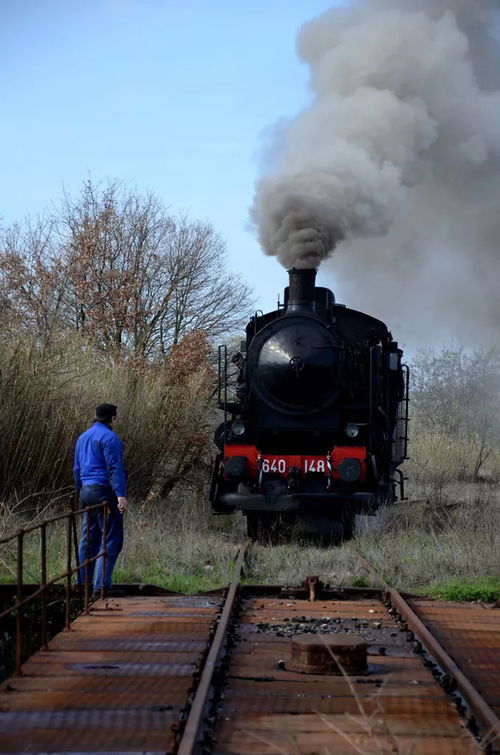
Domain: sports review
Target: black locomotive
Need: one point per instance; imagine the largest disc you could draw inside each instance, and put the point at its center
(315, 416)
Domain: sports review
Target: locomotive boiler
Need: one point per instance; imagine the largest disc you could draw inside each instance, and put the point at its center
(315, 416)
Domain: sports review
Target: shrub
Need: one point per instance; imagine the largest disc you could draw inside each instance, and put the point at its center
(48, 393)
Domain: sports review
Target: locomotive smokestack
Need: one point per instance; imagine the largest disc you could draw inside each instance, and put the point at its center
(301, 289)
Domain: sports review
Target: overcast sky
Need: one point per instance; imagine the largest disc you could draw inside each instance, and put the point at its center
(174, 96)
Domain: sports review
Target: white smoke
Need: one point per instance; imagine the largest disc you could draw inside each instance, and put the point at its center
(402, 139)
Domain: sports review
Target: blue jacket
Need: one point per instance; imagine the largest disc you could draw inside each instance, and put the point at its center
(99, 459)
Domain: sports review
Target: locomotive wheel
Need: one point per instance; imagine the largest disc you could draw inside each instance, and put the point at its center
(254, 525)
(269, 528)
(348, 522)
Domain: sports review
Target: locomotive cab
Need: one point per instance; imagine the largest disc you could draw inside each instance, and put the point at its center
(315, 418)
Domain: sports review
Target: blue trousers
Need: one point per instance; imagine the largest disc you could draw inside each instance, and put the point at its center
(92, 535)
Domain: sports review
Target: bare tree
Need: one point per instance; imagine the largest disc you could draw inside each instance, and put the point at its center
(457, 393)
(117, 266)
(32, 278)
(141, 278)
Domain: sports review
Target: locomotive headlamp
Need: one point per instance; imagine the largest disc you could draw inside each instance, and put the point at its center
(350, 470)
(236, 467)
(238, 428)
(352, 431)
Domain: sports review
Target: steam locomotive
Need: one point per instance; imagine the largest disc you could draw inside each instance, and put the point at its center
(315, 416)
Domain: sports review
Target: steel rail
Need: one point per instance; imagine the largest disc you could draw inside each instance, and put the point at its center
(476, 701)
(192, 734)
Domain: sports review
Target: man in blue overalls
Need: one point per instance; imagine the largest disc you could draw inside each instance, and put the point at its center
(100, 476)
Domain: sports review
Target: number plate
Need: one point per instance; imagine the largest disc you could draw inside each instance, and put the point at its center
(280, 465)
(274, 465)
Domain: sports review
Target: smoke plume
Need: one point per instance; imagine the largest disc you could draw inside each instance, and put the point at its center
(396, 161)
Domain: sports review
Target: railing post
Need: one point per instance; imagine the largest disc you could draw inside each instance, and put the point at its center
(43, 582)
(74, 507)
(69, 533)
(87, 565)
(20, 609)
(104, 548)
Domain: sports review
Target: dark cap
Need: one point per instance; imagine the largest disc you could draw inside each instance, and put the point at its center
(105, 412)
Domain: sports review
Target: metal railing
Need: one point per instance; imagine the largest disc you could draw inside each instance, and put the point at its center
(72, 590)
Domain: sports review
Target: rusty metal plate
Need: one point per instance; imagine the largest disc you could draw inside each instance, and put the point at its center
(335, 739)
(470, 633)
(395, 707)
(118, 682)
(153, 643)
(111, 685)
(366, 686)
(403, 704)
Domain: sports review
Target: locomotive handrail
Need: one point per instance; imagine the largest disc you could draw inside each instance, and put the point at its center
(401, 483)
(406, 402)
(44, 583)
(222, 361)
(225, 391)
(255, 317)
(372, 351)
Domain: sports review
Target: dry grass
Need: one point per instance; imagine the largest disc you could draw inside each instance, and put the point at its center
(290, 564)
(48, 397)
(439, 460)
(56, 550)
(412, 545)
(178, 544)
(172, 543)
(417, 545)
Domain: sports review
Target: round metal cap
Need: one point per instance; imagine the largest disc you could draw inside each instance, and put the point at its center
(344, 654)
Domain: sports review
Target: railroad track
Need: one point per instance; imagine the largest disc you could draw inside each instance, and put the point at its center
(263, 669)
